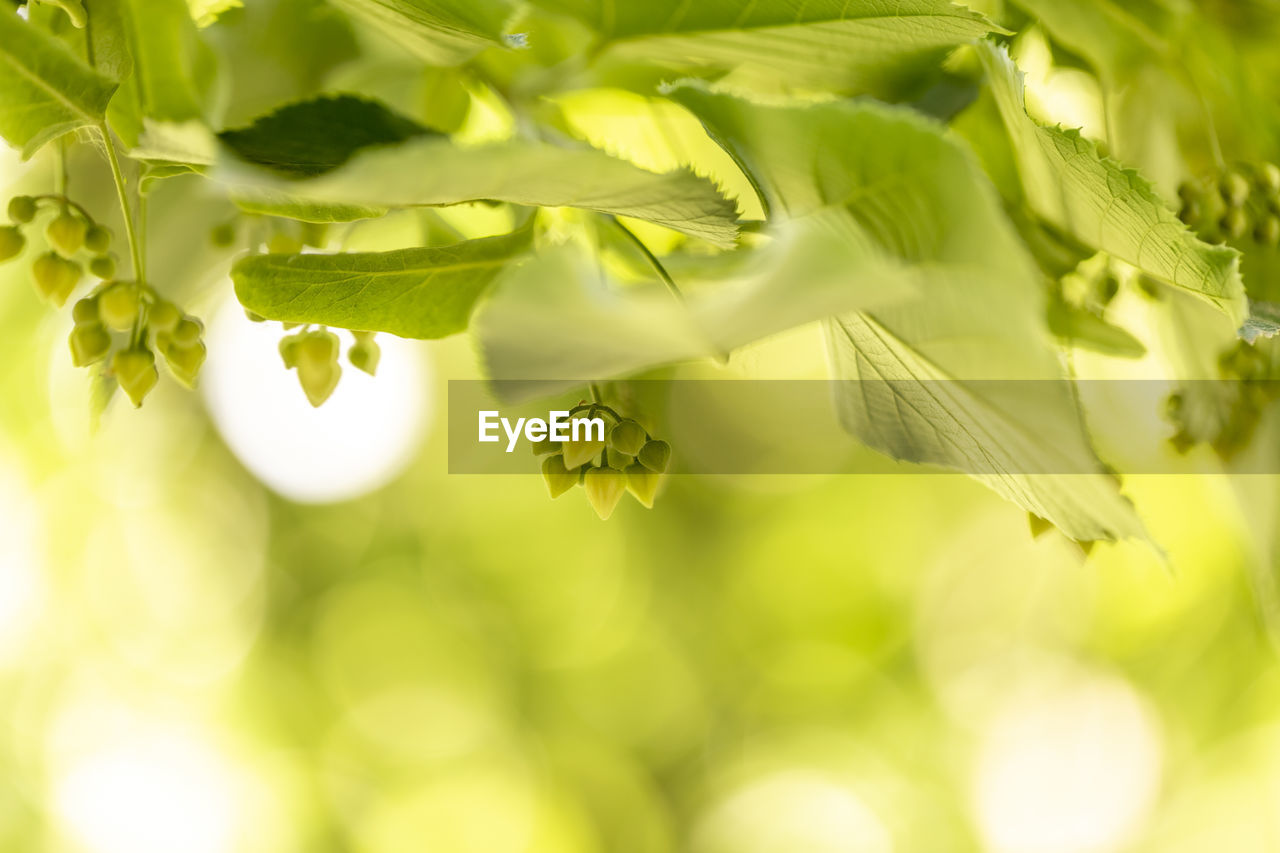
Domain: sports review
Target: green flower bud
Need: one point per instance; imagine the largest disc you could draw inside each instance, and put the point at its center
(66, 233)
(1235, 189)
(283, 244)
(1108, 288)
(1269, 178)
(188, 331)
(655, 456)
(559, 478)
(579, 453)
(164, 317)
(103, 266)
(1191, 214)
(11, 242)
(223, 235)
(627, 437)
(1189, 191)
(85, 311)
(118, 304)
(289, 350)
(90, 343)
(643, 483)
(97, 239)
(185, 362)
(618, 460)
(318, 368)
(22, 209)
(55, 277)
(1235, 224)
(604, 488)
(135, 370)
(365, 355)
(1268, 232)
(545, 446)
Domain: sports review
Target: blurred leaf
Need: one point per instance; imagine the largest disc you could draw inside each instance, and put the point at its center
(317, 136)
(432, 172)
(925, 204)
(1113, 38)
(561, 317)
(1068, 183)
(851, 45)
(414, 293)
(46, 91)
(205, 12)
(171, 71)
(441, 32)
(1080, 328)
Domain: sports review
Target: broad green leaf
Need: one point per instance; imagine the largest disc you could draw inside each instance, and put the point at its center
(925, 205)
(433, 172)
(171, 72)
(562, 317)
(849, 45)
(313, 137)
(1068, 183)
(414, 293)
(440, 32)
(46, 90)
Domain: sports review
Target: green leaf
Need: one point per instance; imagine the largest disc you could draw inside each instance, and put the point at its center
(1080, 328)
(171, 72)
(440, 32)
(561, 317)
(414, 293)
(314, 137)
(1071, 185)
(433, 172)
(924, 203)
(849, 45)
(47, 91)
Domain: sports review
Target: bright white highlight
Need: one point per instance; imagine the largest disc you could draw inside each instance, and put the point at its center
(358, 441)
(796, 811)
(1074, 769)
(156, 793)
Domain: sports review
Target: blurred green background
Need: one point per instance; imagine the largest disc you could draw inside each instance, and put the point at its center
(373, 655)
(230, 623)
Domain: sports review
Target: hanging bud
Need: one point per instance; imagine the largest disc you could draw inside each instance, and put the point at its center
(617, 460)
(85, 311)
(1268, 232)
(66, 232)
(97, 239)
(365, 355)
(90, 343)
(1235, 189)
(318, 368)
(135, 370)
(559, 478)
(1235, 224)
(185, 361)
(655, 456)
(643, 483)
(118, 304)
(289, 350)
(1269, 178)
(11, 242)
(545, 446)
(223, 235)
(164, 317)
(1108, 288)
(627, 437)
(604, 488)
(22, 209)
(1191, 214)
(588, 447)
(283, 244)
(103, 267)
(188, 331)
(55, 277)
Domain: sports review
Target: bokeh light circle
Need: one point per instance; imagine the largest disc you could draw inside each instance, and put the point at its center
(359, 440)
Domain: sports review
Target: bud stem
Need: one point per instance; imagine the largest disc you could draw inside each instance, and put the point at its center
(651, 258)
(135, 250)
